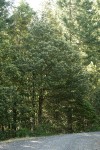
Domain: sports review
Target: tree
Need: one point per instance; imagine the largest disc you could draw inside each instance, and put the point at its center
(89, 36)
(4, 59)
(73, 30)
(49, 68)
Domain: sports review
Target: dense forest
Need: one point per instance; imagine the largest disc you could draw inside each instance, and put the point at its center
(49, 68)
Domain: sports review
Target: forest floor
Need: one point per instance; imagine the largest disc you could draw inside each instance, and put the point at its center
(79, 141)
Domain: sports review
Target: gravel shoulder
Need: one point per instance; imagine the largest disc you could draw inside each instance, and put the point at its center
(80, 141)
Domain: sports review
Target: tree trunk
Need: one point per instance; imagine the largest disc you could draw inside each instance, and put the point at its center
(33, 102)
(41, 99)
(69, 120)
(2, 128)
(14, 118)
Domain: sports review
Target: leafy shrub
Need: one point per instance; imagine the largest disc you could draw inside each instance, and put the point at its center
(7, 134)
(45, 129)
(23, 132)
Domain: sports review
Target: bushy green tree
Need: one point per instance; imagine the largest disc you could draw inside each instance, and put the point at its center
(81, 23)
(49, 68)
(4, 59)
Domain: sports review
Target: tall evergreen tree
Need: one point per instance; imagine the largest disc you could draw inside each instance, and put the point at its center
(4, 59)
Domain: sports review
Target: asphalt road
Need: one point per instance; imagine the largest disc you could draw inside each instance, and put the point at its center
(81, 141)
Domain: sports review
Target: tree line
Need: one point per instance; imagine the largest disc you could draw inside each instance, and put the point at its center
(49, 68)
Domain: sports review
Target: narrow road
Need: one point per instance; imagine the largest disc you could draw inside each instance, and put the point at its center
(81, 141)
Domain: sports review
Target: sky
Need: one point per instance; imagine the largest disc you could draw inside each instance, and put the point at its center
(35, 4)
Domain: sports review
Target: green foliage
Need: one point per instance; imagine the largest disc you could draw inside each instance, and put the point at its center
(49, 70)
(23, 132)
(44, 130)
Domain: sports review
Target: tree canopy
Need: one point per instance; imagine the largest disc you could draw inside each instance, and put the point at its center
(49, 68)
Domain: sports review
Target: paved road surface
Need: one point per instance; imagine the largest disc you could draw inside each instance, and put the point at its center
(81, 141)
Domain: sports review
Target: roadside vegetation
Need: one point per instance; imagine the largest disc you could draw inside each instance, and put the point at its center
(49, 68)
